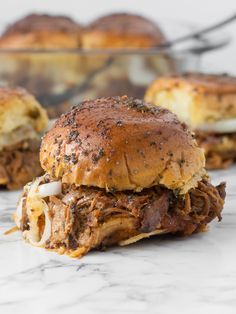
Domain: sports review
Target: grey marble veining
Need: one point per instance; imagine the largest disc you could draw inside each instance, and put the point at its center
(158, 275)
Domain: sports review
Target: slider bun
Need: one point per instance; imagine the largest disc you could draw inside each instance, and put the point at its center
(42, 31)
(119, 143)
(122, 31)
(19, 108)
(196, 98)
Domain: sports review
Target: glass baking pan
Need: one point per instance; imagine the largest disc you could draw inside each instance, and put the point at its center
(63, 77)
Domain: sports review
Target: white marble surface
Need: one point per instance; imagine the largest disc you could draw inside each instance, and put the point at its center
(161, 275)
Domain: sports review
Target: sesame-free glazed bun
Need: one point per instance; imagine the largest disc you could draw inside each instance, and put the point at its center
(119, 143)
(122, 30)
(42, 31)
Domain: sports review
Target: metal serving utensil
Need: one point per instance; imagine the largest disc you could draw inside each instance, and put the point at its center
(198, 35)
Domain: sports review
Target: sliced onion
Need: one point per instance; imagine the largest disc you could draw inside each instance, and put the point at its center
(48, 189)
(18, 213)
(32, 235)
(33, 187)
(222, 126)
(44, 190)
(35, 207)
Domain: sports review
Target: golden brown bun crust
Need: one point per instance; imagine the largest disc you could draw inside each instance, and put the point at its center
(122, 31)
(213, 97)
(207, 83)
(119, 143)
(19, 108)
(42, 31)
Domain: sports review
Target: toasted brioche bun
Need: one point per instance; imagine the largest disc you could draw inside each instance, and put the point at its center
(18, 108)
(119, 143)
(196, 98)
(42, 31)
(122, 30)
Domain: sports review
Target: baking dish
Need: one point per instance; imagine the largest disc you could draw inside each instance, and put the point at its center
(60, 78)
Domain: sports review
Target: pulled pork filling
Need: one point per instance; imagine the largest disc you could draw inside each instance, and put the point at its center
(19, 163)
(220, 149)
(82, 218)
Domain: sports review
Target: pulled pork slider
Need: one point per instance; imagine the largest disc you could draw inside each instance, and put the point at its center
(207, 103)
(126, 74)
(117, 170)
(48, 75)
(22, 121)
(42, 31)
(122, 30)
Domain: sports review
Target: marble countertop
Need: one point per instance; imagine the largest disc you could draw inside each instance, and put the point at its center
(158, 275)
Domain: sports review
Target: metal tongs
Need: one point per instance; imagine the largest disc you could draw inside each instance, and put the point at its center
(199, 35)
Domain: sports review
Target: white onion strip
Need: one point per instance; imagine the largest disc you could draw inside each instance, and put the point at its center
(18, 213)
(36, 207)
(32, 235)
(49, 189)
(222, 126)
(33, 188)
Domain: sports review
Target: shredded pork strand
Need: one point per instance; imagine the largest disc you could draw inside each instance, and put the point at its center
(220, 149)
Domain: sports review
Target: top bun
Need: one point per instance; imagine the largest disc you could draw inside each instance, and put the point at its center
(120, 143)
(42, 31)
(122, 31)
(196, 97)
(18, 109)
